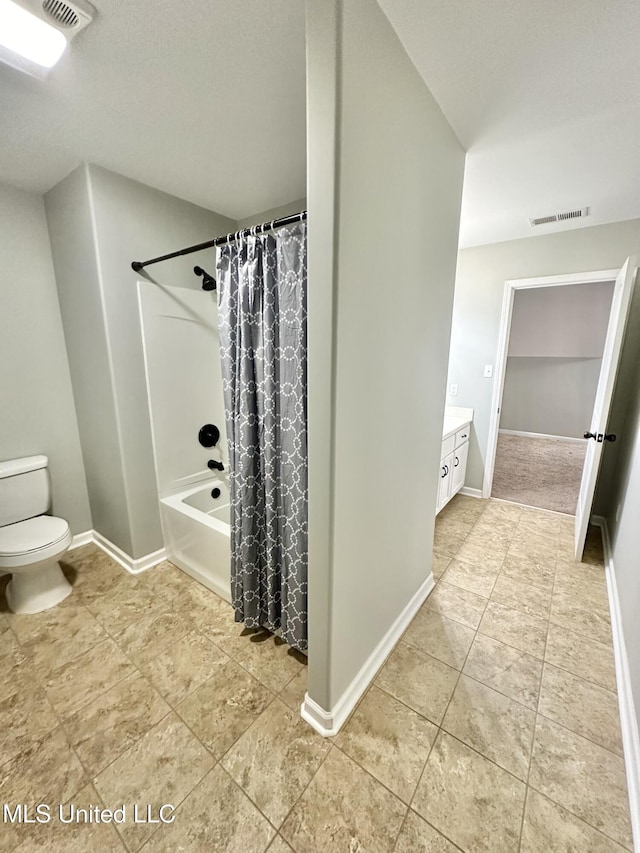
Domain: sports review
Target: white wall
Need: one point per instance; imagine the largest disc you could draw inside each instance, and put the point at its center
(99, 223)
(182, 357)
(273, 213)
(554, 357)
(37, 407)
(385, 182)
(481, 274)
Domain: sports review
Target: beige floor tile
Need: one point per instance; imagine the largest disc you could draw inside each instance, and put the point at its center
(69, 616)
(103, 729)
(491, 537)
(69, 636)
(469, 799)
(71, 837)
(124, 605)
(162, 767)
(91, 585)
(265, 656)
(522, 596)
(79, 682)
(275, 759)
(417, 836)
(167, 581)
(457, 603)
(279, 845)
(480, 556)
(585, 590)
(151, 635)
(18, 674)
(216, 816)
(581, 706)
(567, 612)
(454, 526)
(364, 815)
(293, 694)
(502, 510)
(389, 740)
(475, 578)
(439, 563)
(528, 547)
(547, 826)
(420, 681)
(47, 771)
(25, 717)
(440, 637)
(446, 543)
(584, 657)
(517, 629)
(537, 571)
(510, 671)
(224, 707)
(492, 724)
(178, 671)
(584, 778)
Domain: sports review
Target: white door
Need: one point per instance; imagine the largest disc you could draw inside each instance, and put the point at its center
(598, 430)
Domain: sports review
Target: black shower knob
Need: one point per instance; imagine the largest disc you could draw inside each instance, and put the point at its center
(209, 435)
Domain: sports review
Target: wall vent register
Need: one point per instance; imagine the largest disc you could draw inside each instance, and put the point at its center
(564, 216)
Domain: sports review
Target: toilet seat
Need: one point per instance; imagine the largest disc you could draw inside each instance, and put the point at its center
(33, 540)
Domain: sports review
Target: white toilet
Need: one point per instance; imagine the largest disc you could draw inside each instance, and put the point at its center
(31, 543)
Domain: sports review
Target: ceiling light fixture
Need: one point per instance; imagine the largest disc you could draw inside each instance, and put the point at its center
(28, 36)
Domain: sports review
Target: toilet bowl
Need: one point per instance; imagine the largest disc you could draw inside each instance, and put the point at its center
(31, 543)
(30, 551)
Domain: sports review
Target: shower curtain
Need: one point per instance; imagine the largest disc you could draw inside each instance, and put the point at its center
(262, 310)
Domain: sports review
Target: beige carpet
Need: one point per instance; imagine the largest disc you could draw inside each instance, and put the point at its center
(540, 472)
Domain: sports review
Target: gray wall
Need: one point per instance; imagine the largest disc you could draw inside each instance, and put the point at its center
(99, 223)
(37, 408)
(273, 213)
(553, 365)
(481, 274)
(380, 299)
(550, 396)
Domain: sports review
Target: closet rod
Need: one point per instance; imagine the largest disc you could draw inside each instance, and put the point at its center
(228, 238)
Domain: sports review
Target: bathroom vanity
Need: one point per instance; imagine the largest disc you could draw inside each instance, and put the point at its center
(456, 430)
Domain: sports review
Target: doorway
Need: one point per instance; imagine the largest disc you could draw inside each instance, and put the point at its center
(552, 338)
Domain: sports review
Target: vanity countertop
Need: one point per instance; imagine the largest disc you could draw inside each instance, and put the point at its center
(452, 424)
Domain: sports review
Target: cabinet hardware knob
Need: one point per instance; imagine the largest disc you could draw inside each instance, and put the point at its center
(457, 462)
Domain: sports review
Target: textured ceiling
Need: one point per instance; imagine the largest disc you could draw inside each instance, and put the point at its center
(544, 95)
(204, 99)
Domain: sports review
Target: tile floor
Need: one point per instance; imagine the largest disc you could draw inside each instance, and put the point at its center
(493, 726)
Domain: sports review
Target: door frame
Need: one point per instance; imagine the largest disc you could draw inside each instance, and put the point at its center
(510, 287)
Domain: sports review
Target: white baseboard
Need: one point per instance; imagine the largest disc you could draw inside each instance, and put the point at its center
(81, 539)
(628, 716)
(328, 723)
(471, 493)
(567, 438)
(134, 566)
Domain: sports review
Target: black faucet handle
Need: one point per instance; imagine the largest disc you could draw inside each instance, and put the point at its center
(215, 465)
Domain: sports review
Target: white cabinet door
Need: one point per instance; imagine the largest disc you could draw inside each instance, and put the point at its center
(459, 467)
(444, 488)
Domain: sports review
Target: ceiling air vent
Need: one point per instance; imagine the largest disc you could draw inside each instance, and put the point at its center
(578, 213)
(62, 14)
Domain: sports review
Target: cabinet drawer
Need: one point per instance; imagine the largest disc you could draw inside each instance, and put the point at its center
(447, 446)
(462, 435)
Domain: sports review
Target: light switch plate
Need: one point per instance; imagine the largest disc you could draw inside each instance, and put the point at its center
(453, 390)
(488, 371)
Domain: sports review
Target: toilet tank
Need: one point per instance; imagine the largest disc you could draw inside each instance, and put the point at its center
(25, 489)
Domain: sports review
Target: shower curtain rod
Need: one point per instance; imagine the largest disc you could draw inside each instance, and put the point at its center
(228, 238)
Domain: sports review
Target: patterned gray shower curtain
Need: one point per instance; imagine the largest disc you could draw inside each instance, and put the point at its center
(262, 310)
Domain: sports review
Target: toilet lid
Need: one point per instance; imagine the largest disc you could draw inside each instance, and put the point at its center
(31, 535)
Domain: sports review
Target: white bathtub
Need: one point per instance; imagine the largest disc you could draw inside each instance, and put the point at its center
(197, 534)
